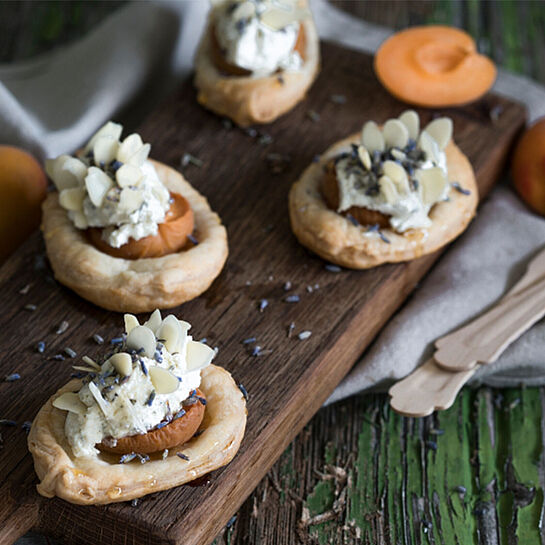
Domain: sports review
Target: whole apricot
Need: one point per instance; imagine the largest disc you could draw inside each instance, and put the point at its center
(528, 167)
(23, 185)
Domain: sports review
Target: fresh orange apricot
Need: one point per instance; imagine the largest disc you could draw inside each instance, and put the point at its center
(528, 167)
(433, 66)
(171, 236)
(23, 185)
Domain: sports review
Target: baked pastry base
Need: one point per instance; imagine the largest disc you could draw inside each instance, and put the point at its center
(137, 285)
(335, 238)
(101, 479)
(248, 99)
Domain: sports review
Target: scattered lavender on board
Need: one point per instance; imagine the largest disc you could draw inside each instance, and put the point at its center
(134, 502)
(30, 307)
(12, 377)
(287, 286)
(40, 347)
(251, 132)
(182, 456)
(256, 350)
(230, 522)
(338, 99)
(460, 489)
(98, 339)
(70, 353)
(249, 340)
(27, 424)
(332, 268)
(193, 239)
(291, 327)
(292, 299)
(62, 327)
(203, 340)
(265, 139)
(244, 392)
(263, 304)
(7, 423)
(188, 159)
(57, 357)
(24, 290)
(313, 116)
(117, 340)
(460, 189)
(304, 335)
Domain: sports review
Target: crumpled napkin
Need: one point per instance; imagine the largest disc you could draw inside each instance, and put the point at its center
(54, 103)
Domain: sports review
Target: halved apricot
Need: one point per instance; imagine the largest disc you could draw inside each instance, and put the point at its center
(171, 237)
(434, 66)
(23, 185)
(175, 433)
(330, 192)
(528, 167)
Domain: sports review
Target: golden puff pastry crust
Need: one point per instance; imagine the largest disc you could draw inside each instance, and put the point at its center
(333, 237)
(102, 479)
(247, 99)
(138, 285)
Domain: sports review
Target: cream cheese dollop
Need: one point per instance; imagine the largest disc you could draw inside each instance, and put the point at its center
(110, 184)
(259, 35)
(143, 385)
(397, 170)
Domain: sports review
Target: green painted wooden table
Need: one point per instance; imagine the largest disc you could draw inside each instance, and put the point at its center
(359, 473)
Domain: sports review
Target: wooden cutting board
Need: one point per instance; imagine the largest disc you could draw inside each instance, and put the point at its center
(246, 180)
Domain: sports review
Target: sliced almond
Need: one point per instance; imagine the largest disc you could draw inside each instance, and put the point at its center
(72, 199)
(105, 150)
(85, 369)
(277, 19)
(130, 147)
(429, 146)
(440, 130)
(198, 355)
(396, 135)
(397, 174)
(142, 337)
(170, 331)
(110, 129)
(70, 401)
(97, 184)
(243, 11)
(433, 183)
(66, 172)
(388, 190)
(79, 219)
(364, 156)
(138, 158)
(104, 407)
(130, 199)
(122, 363)
(154, 320)
(131, 321)
(410, 119)
(163, 380)
(128, 175)
(372, 138)
(91, 362)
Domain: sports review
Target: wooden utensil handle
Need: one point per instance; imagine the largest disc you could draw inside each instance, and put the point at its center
(484, 339)
(427, 389)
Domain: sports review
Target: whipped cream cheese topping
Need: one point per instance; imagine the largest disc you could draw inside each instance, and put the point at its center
(259, 35)
(111, 185)
(143, 385)
(397, 170)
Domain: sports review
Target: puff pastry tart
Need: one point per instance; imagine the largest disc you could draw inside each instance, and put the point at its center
(392, 193)
(153, 415)
(128, 233)
(256, 59)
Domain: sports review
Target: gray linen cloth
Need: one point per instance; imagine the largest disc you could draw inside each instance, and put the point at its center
(137, 55)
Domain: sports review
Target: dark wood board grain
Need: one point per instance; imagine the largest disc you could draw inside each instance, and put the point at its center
(288, 385)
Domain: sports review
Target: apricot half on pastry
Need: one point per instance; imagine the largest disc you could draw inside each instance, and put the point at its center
(434, 66)
(256, 60)
(128, 233)
(391, 193)
(153, 415)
